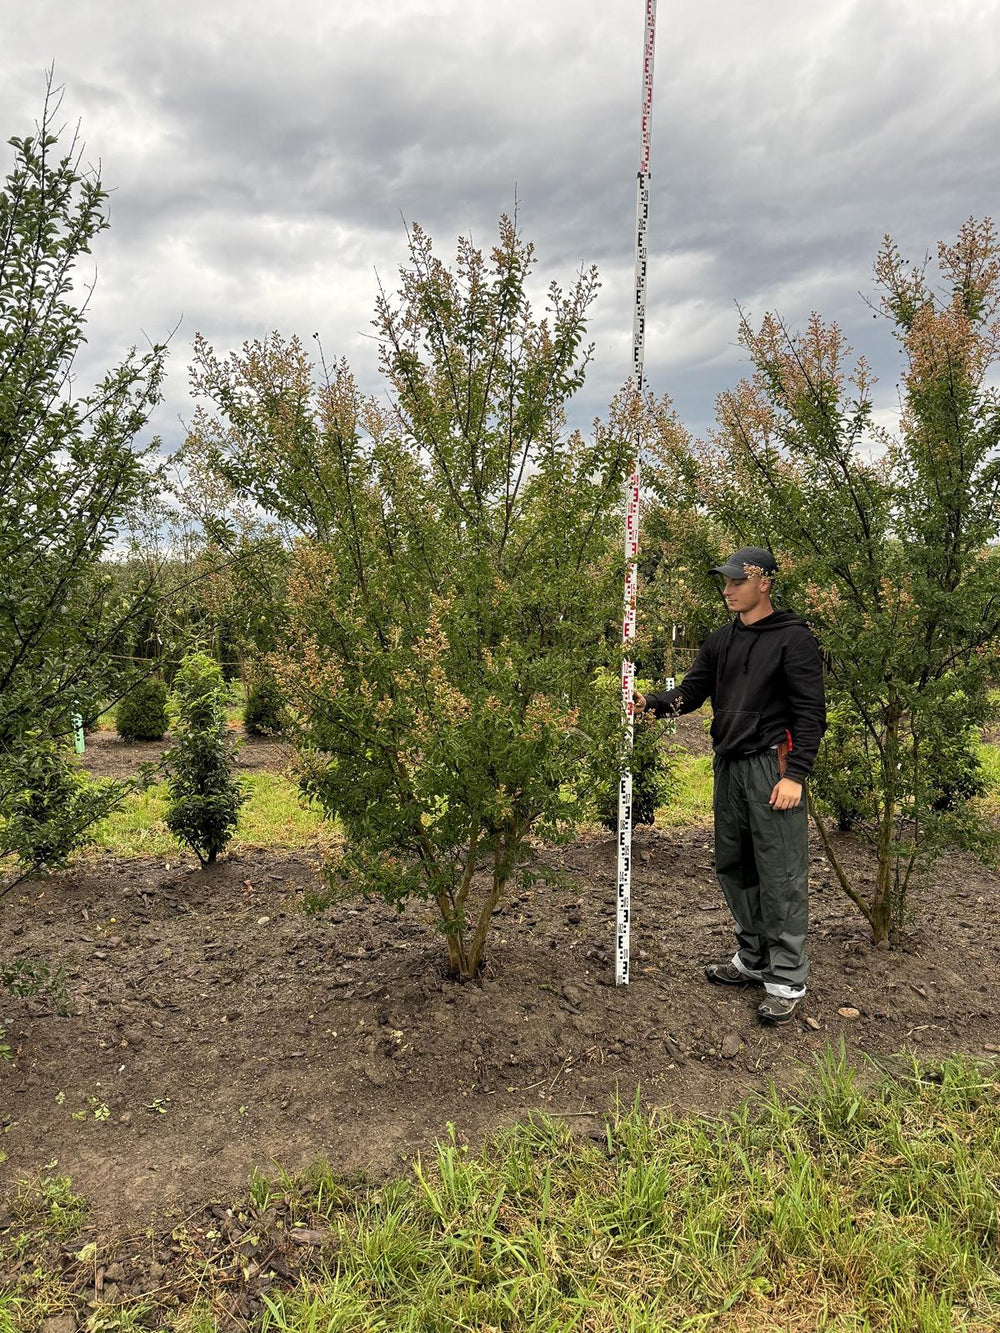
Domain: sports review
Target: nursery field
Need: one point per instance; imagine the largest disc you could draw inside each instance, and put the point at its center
(215, 1028)
(230, 1099)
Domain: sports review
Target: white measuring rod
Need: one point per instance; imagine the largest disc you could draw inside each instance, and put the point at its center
(632, 502)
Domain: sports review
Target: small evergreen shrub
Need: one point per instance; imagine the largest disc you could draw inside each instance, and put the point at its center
(142, 713)
(205, 797)
(652, 778)
(264, 711)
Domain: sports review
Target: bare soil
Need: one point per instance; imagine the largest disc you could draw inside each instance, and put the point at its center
(223, 1026)
(214, 1025)
(108, 756)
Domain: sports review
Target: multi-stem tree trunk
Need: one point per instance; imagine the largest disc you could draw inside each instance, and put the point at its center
(883, 907)
(466, 932)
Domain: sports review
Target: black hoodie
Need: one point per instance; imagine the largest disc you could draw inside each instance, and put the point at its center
(764, 680)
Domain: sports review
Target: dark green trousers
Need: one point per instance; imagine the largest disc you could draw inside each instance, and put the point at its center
(762, 861)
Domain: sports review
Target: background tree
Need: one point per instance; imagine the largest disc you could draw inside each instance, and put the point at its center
(679, 601)
(889, 543)
(163, 570)
(264, 713)
(69, 472)
(448, 610)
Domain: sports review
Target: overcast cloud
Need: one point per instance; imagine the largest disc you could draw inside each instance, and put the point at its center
(263, 157)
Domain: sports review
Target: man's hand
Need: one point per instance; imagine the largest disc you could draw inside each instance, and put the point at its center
(786, 795)
(638, 701)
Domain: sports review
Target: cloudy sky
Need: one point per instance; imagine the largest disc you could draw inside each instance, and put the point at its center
(263, 158)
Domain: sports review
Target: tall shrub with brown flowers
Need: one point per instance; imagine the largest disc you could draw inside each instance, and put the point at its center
(888, 542)
(454, 580)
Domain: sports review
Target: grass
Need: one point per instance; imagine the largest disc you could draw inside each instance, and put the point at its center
(692, 800)
(858, 1203)
(989, 757)
(834, 1209)
(274, 816)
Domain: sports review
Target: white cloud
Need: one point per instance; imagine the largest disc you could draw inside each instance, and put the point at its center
(262, 157)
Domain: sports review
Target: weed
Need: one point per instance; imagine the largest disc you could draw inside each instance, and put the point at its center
(33, 977)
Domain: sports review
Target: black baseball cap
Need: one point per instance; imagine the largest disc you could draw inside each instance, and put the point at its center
(753, 556)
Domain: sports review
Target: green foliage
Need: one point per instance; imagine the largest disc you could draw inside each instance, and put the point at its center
(49, 805)
(141, 714)
(843, 769)
(33, 976)
(205, 797)
(958, 775)
(70, 474)
(448, 608)
(30, 977)
(891, 546)
(654, 778)
(264, 711)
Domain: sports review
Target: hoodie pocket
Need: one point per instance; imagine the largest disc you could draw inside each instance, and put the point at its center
(735, 731)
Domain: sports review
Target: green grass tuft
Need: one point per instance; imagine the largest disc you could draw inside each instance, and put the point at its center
(837, 1208)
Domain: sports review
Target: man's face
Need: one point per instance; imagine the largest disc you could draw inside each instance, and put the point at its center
(746, 594)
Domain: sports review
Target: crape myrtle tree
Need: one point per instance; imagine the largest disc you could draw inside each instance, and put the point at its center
(69, 477)
(449, 601)
(889, 545)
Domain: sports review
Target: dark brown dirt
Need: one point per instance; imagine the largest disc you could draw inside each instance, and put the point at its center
(691, 732)
(223, 1027)
(108, 756)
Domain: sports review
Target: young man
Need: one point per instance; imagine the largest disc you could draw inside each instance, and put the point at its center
(764, 676)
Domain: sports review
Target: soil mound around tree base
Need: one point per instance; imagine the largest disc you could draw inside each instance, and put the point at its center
(214, 1026)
